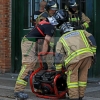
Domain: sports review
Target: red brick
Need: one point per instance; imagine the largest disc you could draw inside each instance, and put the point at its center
(5, 51)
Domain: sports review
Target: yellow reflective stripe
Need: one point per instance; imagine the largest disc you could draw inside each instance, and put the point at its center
(83, 84)
(72, 85)
(58, 67)
(74, 19)
(65, 45)
(22, 70)
(68, 76)
(93, 49)
(84, 39)
(86, 24)
(29, 49)
(69, 84)
(19, 81)
(76, 53)
(51, 44)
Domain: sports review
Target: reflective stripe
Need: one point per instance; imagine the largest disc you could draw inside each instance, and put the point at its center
(83, 84)
(93, 49)
(73, 85)
(51, 44)
(22, 70)
(74, 19)
(58, 67)
(69, 84)
(29, 49)
(86, 24)
(19, 81)
(76, 53)
(84, 38)
(68, 76)
(65, 44)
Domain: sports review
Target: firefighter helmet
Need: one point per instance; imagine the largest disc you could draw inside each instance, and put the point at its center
(72, 3)
(61, 16)
(65, 27)
(52, 20)
(51, 5)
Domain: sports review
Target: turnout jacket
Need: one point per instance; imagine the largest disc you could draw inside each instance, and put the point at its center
(79, 19)
(74, 46)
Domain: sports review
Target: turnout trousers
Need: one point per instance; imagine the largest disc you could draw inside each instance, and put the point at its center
(77, 77)
(29, 61)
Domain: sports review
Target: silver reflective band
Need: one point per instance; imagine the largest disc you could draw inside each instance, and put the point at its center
(35, 16)
(74, 5)
(54, 6)
(52, 20)
(66, 27)
(58, 14)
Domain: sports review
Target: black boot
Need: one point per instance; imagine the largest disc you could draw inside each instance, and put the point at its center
(80, 98)
(74, 99)
(21, 95)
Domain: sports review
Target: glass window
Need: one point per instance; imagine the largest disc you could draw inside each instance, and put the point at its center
(29, 7)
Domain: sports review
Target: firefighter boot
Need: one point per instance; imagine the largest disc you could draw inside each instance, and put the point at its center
(74, 99)
(80, 98)
(21, 95)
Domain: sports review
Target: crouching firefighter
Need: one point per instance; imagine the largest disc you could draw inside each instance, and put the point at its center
(50, 9)
(76, 51)
(44, 30)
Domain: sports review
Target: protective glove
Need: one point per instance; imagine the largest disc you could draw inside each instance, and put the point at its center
(45, 66)
(78, 27)
(53, 68)
(58, 72)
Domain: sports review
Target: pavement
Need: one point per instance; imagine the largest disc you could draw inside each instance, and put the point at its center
(7, 83)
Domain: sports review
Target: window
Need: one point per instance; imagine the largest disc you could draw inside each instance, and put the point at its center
(33, 5)
(29, 7)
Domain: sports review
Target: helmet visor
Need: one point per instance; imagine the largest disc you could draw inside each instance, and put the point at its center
(54, 8)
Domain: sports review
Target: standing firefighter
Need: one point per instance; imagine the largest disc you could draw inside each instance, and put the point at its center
(76, 51)
(44, 30)
(41, 10)
(77, 18)
(50, 10)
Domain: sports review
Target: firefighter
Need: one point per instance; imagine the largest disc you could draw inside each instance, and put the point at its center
(36, 13)
(44, 30)
(50, 10)
(77, 18)
(75, 50)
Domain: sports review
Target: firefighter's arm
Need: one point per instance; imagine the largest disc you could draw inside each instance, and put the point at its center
(46, 44)
(91, 41)
(85, 21)
(59, 56)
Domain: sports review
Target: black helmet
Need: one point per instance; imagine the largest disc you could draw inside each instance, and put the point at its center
(51, 5)
(72, 3)
(65, 27)
(61, 16)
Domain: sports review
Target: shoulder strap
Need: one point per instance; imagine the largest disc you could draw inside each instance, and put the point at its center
(41, 23)
(40, 31)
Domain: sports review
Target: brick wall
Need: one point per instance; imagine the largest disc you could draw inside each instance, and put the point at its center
(5, 36)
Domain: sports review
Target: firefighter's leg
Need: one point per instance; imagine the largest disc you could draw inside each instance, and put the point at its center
(50, 57)
(72, 81)
(83, 72)
(28, 62)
